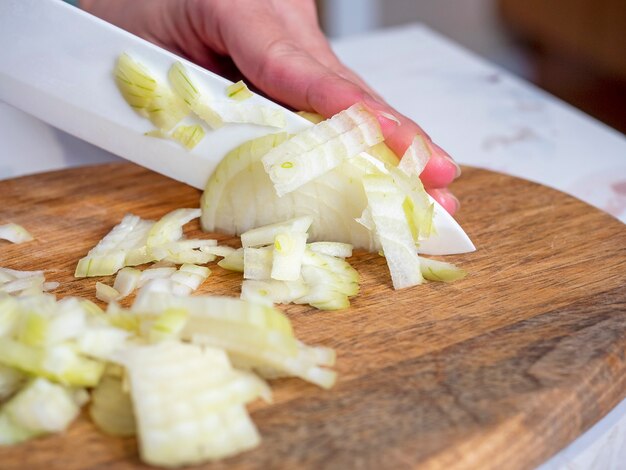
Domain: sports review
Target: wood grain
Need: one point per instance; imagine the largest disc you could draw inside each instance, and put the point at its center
(499, 370)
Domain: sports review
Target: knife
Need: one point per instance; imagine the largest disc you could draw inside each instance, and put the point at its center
(56, 63)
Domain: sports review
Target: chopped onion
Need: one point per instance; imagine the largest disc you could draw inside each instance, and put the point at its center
(249, 113)
(188, 278)
(266, 235)
(386, 205)
(317, 150)
(109, 255)
(435, 270)
(11, 380)
(257, 263)
(15, 233)
(111, 408)
(215, 310)
(170, 227)
(178, 386)
(60, 363)
(188, 136)
(126, 281)
(416, 157)
(185, 88)
(215, 112)
(146, 96)
(222, 250)
(337, 249)
(106, 293)
(287, 255)
(238, 91)
(39, 408)
(233, 261)
(269, 292)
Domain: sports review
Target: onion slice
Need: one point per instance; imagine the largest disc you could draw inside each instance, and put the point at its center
(386, 205)
(14, 233)
(416, 157)
(317, 150)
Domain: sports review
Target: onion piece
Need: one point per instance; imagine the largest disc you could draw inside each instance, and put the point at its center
(416, 157)
(298, 365)
(269, 292)
(9, 315)
(126, 281)
(238, 91)
(109, 255)
(11, 380)
(146, 96)
(257, 263)
(106, 293)
(14, 233)
(189, 92)
(221, 250)
(234, 314)
(435, 270)
(266, 235)
(330, 280)
(155, 273)
(188, 136)
(337, 249)
(188, 278)
(60, 363)
(215, 113)
(111, 408)
(386, 204)
(248, 113)
(41, 407)
(180, 386)
(168, 325)
(233, 261)
(102, 342)
(317, 150)
(170, 227)
(287, 255)
(26, 285)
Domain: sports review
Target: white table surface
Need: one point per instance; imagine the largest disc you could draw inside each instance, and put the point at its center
(482, 115)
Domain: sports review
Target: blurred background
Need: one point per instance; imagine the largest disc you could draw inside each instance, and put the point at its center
(574, 49)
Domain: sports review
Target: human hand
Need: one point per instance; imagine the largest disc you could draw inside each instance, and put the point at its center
(278, 47)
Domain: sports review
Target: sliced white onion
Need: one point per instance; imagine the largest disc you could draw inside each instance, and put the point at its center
(221, 250)
(338, 249)
(267, 234)
(317, 150)
(126, 281)
(287, 255)
(386, 205)
(146, 96)
(257, 263)
(238, 91)
(106, 293)
(188, 136)
(14, 233)
(416, 157)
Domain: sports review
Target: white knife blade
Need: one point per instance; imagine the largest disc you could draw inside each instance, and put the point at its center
(56, 63)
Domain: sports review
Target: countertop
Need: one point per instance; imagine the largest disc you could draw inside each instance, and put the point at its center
(482, 115)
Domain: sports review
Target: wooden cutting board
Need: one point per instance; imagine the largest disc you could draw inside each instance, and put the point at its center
(500, 370)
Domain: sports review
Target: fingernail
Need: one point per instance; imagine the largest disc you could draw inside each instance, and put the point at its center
(387, 121)
(456, 165)
(456, 201)
(443, 153)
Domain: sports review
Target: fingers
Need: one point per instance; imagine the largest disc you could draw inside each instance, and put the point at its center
(288, 58)
(440, 170)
